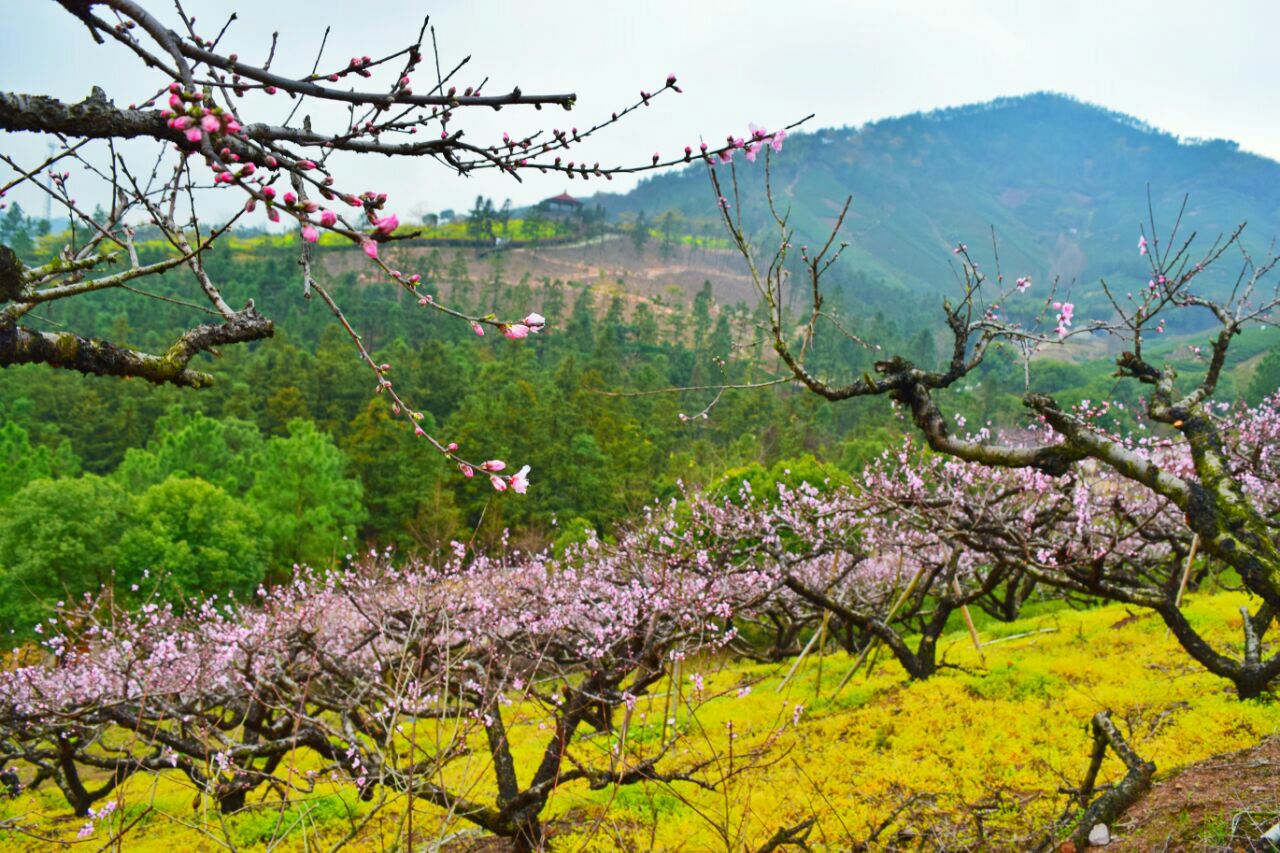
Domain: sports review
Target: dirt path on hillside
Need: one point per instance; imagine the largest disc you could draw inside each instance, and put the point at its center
(1222, 803)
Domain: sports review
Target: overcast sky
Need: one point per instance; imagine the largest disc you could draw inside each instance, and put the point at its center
(1198, 69)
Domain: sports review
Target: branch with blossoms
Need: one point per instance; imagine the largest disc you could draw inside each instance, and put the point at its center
(216, 132)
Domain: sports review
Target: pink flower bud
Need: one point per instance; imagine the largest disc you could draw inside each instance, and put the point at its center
(369, 247)
(310, 234)
(328, 218)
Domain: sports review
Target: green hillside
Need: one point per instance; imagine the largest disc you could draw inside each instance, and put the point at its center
(1063, 183)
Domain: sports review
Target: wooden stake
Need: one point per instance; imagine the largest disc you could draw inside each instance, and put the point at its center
(799, 659)
(875, 640)
(968, 620)
(1186, 576)
(822, 644)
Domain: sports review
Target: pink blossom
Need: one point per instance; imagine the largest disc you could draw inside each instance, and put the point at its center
(493, 465)
(535, 321)
(328, 218)
(387, 224)
(370, 248)
(310, 234)
(520, 481)
(778, 136)
(477, 328)
(1142, 244)
(194, 134)
(210, 123)
(516, 331)
(1024, 283)
(499, 483)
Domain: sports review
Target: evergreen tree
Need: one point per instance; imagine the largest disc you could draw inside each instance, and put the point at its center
(308, 506)
(194, 539)
(640, 233)
(57, 542)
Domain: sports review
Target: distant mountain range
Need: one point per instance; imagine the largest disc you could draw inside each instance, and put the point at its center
(1063, 183)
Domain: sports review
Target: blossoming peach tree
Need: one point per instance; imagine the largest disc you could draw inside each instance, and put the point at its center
(383, 677)
(1146, 503)
(232, 133)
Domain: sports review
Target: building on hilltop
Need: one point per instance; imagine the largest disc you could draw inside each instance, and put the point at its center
(563, 206)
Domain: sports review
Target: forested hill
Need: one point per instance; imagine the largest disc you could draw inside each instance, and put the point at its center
(1063, 183)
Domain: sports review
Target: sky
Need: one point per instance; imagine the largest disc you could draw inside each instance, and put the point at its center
(1194, 68)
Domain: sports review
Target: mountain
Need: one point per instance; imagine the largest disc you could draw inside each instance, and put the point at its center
(1063, 183)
